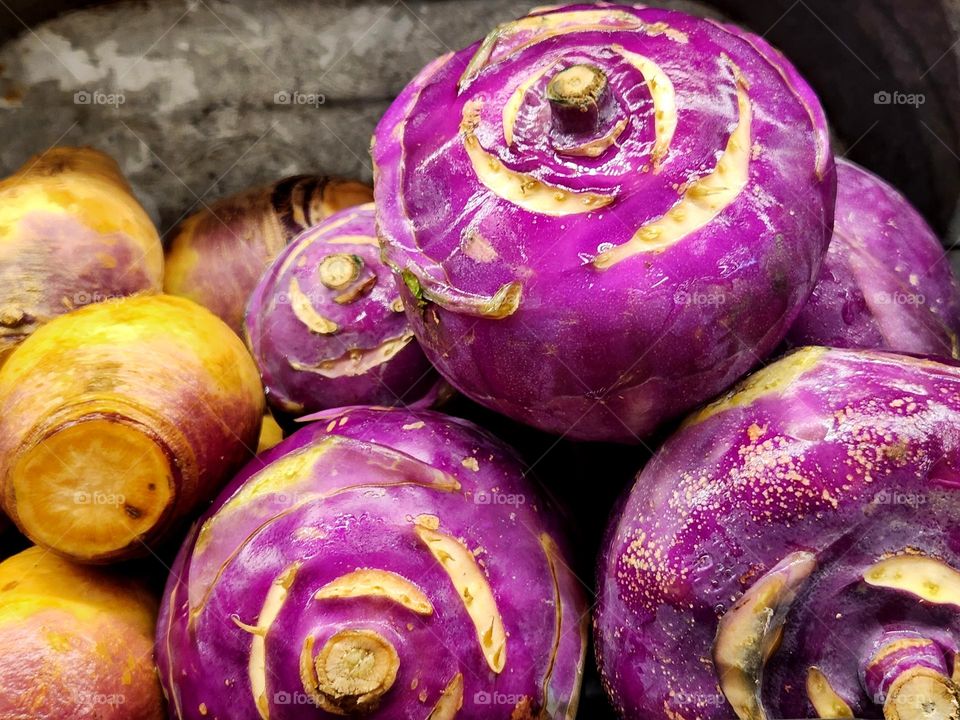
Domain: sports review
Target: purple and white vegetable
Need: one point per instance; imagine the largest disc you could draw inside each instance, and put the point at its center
(886, 281)
(326, 323)
(380, 563)
(794, 550)
(603, 215)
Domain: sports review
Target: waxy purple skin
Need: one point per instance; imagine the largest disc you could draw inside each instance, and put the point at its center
(514, 310)
(886, 281)
(294, 360)
(355, 507)
(852, 455)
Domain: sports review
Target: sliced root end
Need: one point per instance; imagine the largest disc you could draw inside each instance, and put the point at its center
(93, 487)
(354, 669)
(922, 694)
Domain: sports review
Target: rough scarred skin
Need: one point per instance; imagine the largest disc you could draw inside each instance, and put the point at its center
(77, 642)
(514, 257)
(218, 253)
(886, 281)
(158, 368)
(321, 347)
(353, 491)
(839, 457)
(71, 234)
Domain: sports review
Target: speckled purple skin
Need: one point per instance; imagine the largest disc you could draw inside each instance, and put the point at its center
(848, 454)
(604, 354)
(291, 356)
(362, 522)
(886, 281)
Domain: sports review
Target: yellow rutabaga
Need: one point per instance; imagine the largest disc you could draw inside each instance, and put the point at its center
(77, 642)
(118, 419)
(71, 234)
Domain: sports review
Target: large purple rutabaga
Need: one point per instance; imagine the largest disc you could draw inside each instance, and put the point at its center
(326, 323)
(794, 550)
(380, 563)
(886, 281)
(603, 215)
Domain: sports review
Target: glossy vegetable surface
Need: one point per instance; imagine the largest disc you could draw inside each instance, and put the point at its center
(602, 215)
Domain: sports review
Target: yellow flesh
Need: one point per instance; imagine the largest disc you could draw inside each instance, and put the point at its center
(94, 487)
(355, 361)
(518, 188)
(370, 582)
(307, 314)
(748, 634)
(703, 200)
(824, 698)
(512, 107)
(664, 100)
(257, 667)
(926, 577)
(774, 379)
(474, 590)
(450, 702)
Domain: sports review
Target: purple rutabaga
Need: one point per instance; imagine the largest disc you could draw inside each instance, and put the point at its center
(602, 215)
(382, 563)
(326, 323)
(794, 550)
(219, 252)
(886, 281)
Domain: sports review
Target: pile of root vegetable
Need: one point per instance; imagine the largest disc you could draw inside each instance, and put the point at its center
(621, 227)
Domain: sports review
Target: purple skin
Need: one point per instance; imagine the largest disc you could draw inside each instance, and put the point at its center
(358, 505)
(219, 252)
(825, 463)
(886, 282)
(326, 324)
(514, 257)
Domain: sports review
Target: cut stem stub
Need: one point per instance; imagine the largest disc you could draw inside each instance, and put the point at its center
(355, 668)
(577, 96)
(909, 676)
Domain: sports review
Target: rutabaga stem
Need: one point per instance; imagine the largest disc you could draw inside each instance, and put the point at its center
(577, 99)
(908, 675)
(351, 673)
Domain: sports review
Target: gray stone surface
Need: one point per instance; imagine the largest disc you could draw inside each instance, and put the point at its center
(198, 80)
(184, 93)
